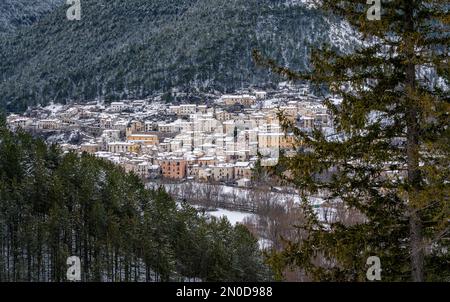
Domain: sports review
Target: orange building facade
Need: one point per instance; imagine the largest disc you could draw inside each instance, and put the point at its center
(173, 168)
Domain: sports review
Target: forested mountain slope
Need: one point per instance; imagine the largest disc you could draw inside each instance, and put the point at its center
(17, 13)
(136, 48)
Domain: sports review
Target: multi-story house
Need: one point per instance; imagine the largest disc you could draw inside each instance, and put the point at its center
(245, 100)
(144, 139)
(243, 170)
(121, 147)
(118, 106)
(222, 172)
(173, 168)
(90, 148)
(51, 124)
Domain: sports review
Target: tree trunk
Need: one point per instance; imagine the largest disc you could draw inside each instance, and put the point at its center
(415, 222)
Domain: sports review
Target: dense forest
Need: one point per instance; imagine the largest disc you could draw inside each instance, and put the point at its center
(139, 48)
(55, 205)
(15, 14)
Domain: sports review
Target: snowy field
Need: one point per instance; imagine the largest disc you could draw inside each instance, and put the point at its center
(232, 216)
(229, 193)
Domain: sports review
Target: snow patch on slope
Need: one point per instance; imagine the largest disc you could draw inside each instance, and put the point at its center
(305, 3)
(343, 36)
(232, 216)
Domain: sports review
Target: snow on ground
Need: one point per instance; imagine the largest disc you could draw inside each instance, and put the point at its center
(226, 192)
(305, 3)
(232, 216)
(54, 108)
(264, 243)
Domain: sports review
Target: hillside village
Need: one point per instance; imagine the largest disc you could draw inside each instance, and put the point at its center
(218, 141)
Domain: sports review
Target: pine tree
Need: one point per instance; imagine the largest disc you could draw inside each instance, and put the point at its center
(55, 205)
(390, 159)
(247, 260)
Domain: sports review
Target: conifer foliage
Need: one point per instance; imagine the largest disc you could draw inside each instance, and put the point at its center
(140, 48)
(390, 158)
(55, 205)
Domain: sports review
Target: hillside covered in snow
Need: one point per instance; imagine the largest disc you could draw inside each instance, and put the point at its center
(134, 49)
